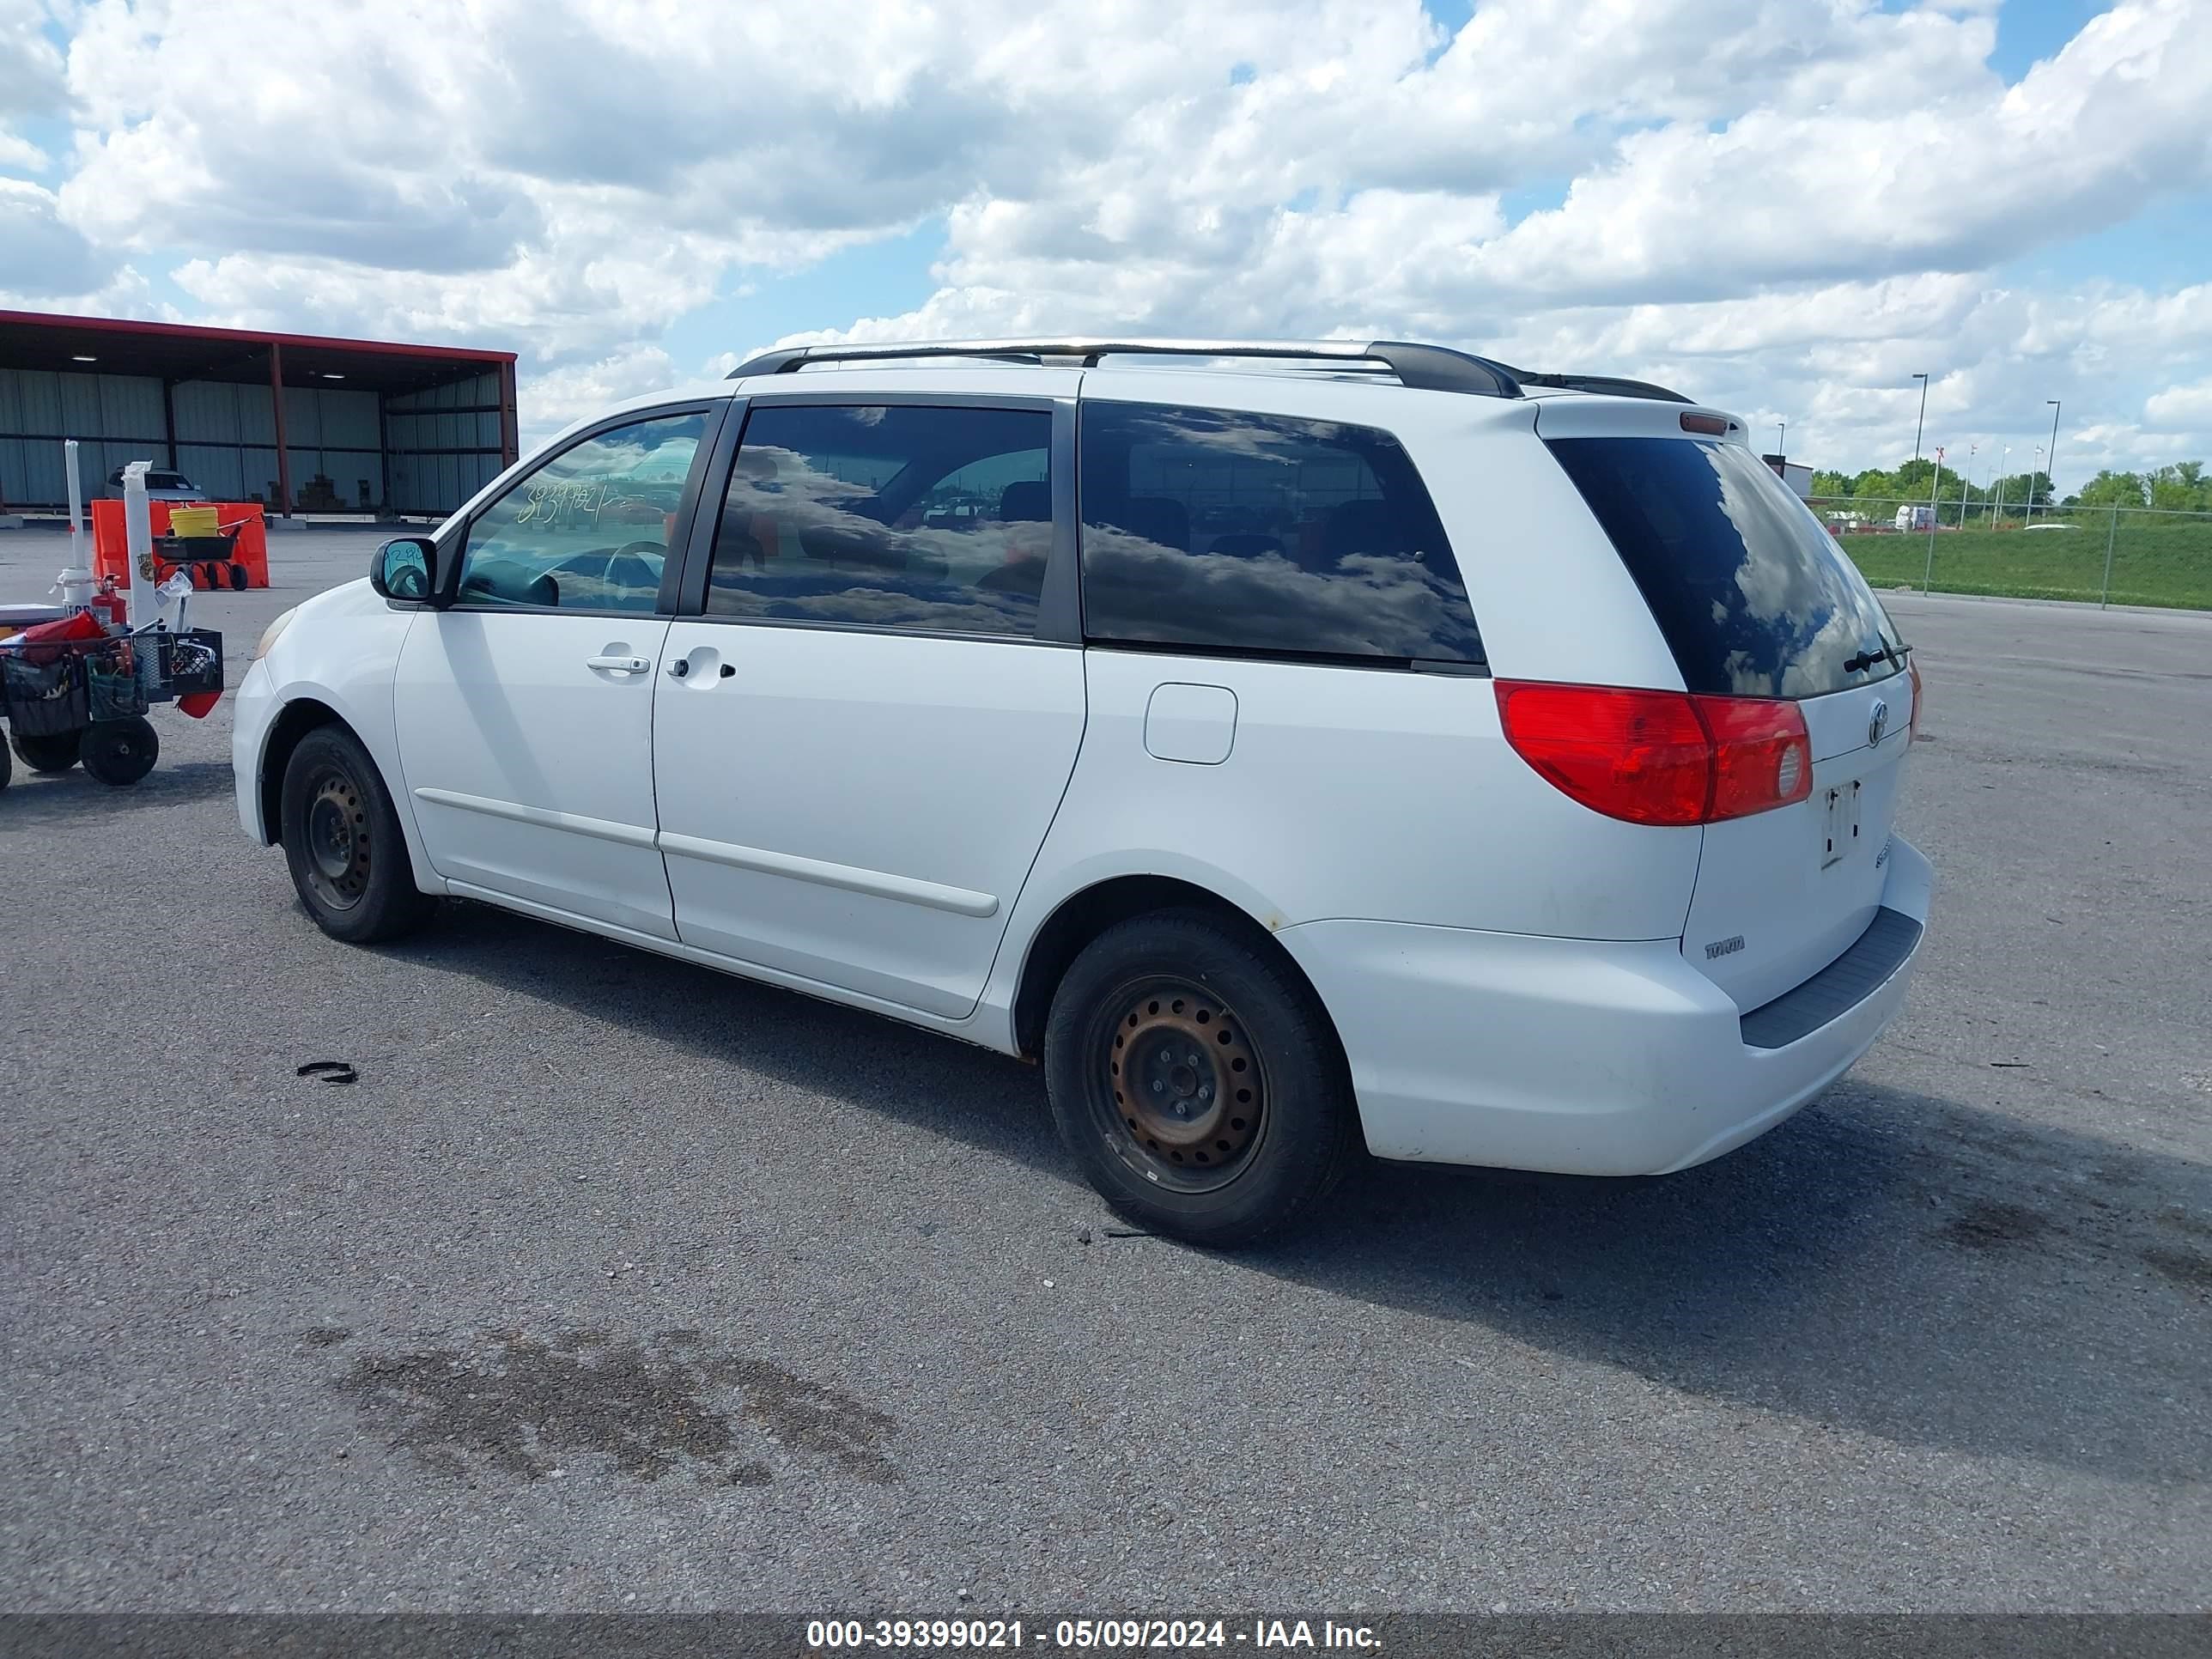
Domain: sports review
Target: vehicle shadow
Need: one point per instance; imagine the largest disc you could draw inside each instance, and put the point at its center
(31, 801)
(988, 1100)
(1931, 1272)
(1928, 1272)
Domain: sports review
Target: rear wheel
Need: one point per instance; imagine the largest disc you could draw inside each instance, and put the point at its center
(1197, 1080)
(56, 751)
(343, 841)
(122, 751)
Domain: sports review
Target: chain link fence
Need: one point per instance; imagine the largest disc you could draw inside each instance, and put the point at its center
(2106, 555)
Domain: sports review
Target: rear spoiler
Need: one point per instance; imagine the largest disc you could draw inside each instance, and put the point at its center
(1608, 384)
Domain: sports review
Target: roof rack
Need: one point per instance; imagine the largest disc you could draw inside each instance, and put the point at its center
(1425, 368)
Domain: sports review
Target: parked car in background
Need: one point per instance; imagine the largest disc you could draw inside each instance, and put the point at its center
(1797, 475)
(1392, 748)
(162, 484)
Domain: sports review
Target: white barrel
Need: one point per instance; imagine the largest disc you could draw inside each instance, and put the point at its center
(76, 588)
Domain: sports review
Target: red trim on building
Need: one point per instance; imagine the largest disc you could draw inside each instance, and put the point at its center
(251, 337)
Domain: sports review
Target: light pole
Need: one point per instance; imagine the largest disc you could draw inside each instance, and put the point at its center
(1922, 420)
(1781, 433)
(1935, 507)
(2050, 468)
(2002, 465)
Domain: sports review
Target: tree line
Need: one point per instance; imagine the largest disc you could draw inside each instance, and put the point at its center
(2183, 487)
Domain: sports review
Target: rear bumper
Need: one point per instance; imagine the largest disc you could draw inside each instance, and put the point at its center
(1585, 1057)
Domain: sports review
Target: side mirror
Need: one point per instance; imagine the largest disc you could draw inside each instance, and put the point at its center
(405, 568)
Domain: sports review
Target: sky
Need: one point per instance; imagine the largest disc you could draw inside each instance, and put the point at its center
(1787, 208)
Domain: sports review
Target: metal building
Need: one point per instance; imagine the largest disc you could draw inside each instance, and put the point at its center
(299, 423)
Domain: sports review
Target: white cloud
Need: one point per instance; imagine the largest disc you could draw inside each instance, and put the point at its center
(577, 390)
(39, 255)
(1878, 167)
(31, 81)
(1788, 204)
(2181, 408)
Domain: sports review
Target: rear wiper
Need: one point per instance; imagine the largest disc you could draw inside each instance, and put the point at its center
(1867, 659)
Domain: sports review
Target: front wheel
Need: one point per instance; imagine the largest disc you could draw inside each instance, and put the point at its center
(342, 840)
(1197, 1080)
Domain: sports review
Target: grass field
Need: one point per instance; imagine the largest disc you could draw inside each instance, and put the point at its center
(2155, 559)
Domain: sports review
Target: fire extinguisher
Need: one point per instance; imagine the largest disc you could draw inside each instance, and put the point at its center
(107, 602)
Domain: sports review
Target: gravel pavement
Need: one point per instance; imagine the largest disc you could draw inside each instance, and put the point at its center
(613, 1284)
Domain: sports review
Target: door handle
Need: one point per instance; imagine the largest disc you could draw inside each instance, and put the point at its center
(679, 667)
(618, 664)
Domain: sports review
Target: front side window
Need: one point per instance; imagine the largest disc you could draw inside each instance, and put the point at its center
(1221, 529)
(887, 516)
(589, 530)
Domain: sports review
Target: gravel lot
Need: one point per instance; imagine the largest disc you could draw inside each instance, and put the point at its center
(615, 1284)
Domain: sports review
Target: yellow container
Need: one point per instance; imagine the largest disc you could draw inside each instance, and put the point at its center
(194, 521)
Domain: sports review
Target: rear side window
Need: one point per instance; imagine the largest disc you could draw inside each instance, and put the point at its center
(1238, 532)
(894, 516)
(1752, 596)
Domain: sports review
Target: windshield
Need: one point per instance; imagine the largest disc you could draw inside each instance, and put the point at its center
(1753, 597)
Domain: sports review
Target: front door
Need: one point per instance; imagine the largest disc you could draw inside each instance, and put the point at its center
(525, 709)
(863, 740)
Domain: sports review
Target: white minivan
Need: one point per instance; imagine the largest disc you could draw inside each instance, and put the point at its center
(1294, 746)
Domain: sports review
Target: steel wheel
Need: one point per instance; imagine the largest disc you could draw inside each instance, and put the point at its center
(338, 838)
(343, 842)
(1184, 1086)
(1253, 1117)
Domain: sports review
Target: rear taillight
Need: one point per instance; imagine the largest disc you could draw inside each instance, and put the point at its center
(1641, 756)
(1662, 757)
(1762, 758)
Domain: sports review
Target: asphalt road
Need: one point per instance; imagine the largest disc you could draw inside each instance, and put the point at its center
(615, 1284)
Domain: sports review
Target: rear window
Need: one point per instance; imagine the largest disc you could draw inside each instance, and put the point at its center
(1219, 530)
(1753, 597)
(168, 481)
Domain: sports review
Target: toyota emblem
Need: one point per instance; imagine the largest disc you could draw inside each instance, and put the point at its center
(1878, 722)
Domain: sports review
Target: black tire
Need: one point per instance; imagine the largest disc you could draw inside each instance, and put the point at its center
(119, 752)
(6, 769)
(56, 751)
(341, 839)
(1162, 1029)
